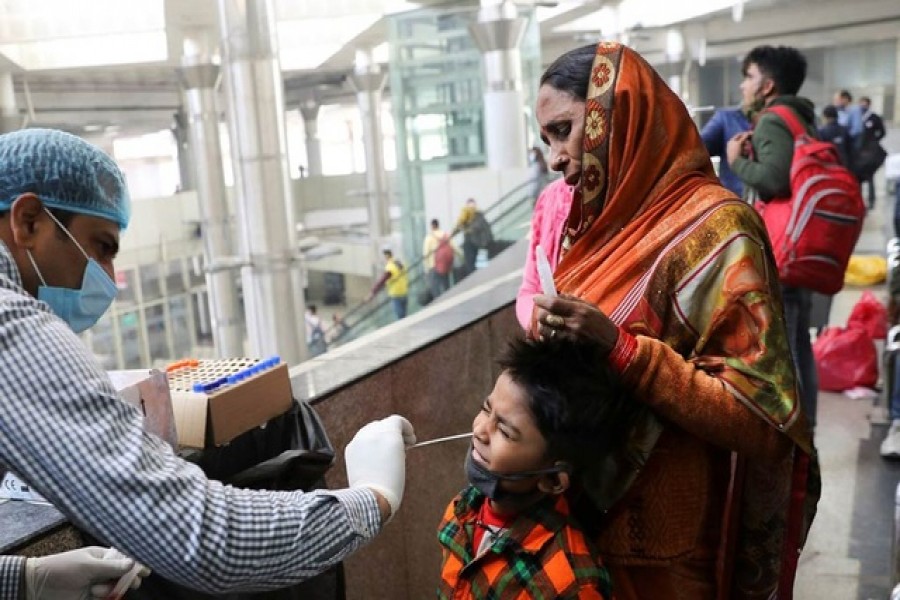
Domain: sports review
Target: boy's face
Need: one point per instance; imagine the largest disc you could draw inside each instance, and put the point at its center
(506, 437)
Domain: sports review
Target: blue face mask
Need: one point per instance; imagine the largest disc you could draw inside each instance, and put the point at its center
(82, 307)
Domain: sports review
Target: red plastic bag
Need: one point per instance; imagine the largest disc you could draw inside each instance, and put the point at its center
(870, 315)
(845, 358)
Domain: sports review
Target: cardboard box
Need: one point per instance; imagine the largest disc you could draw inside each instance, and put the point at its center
(148, 391)
(206, 418)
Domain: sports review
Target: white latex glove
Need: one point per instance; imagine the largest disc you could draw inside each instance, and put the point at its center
(86, 573)
(376, 458)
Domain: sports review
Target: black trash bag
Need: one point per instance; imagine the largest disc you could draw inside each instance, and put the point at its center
(291, 452)
(869, 158)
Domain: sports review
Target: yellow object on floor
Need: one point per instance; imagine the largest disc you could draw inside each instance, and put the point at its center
(867, 269)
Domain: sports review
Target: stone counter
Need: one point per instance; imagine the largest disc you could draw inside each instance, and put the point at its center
(35, 530)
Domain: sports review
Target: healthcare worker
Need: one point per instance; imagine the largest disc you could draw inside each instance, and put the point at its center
(64, 430)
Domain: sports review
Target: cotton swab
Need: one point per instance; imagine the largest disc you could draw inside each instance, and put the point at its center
(449, 438)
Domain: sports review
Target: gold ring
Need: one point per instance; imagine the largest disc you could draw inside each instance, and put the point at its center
(555, 321)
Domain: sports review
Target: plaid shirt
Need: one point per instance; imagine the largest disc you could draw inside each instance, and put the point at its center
(64, 430)
(542, 555)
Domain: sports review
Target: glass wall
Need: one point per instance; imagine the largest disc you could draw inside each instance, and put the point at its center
(160, 315)
(437, 97)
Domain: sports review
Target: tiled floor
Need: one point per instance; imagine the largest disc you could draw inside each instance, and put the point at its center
(848, 555)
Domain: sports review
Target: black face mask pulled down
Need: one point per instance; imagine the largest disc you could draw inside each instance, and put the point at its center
(488, 483)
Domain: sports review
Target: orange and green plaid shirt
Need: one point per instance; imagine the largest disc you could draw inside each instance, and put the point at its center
(543, 555)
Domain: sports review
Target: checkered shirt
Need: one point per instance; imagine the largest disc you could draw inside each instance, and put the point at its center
(64, 430)
(542, 555)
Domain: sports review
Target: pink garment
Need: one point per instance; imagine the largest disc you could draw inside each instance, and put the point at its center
(547, 222)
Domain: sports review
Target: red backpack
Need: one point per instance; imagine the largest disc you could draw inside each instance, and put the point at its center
(814, 232)
(443, 256)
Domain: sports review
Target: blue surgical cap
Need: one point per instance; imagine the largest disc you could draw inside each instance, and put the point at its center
(65, 172)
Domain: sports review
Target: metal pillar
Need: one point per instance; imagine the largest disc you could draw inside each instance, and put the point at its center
(497, 34)
(309, 110)
(198, 76)
(896, 95)
(368, 81)
(272, 284)
(9, 114)
(179, 129)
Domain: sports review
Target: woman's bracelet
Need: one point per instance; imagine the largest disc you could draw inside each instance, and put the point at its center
(623, 351)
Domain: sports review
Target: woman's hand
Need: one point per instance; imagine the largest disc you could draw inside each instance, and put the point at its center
(572, 318)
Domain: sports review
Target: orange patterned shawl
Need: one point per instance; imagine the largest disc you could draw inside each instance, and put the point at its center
(646, 179)
(647, 183)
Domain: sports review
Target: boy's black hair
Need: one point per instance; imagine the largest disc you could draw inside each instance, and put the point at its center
(571, 72)
(578, 403)
(784, 65)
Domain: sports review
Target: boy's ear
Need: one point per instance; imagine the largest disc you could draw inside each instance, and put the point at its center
(555, 483)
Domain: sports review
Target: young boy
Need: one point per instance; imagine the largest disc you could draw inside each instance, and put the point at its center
(510, 533)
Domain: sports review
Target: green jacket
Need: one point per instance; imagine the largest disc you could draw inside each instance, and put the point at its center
(769, 172)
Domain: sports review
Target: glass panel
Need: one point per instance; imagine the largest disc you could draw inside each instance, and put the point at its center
(202, 323)
(195, 270)
(181, 333)
(103, 342)
(150, 286)
(175, 277)
(156, 333)
(126, 280)
(129, 327)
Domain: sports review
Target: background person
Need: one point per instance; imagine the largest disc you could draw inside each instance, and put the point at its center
(772, 77)
(315, 331)
(849, 114)
(438, 255)
(725, 124)
(63, 204)
(396, 281)
(477, 234)
(547, 223)
(869, 153)
(537, 171)
(670, 274)
(837, 134)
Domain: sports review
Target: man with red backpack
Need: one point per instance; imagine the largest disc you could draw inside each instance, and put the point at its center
(438, 256)
(762, 159)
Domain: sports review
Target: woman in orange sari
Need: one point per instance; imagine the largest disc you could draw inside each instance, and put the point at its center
(674, 275)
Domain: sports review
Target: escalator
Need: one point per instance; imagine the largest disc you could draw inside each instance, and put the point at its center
(510, 220)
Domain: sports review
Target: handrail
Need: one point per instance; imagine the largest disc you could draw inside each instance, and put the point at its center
(358, 319)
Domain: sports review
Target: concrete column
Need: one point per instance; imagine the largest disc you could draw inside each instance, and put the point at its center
(309, 110)
(182, 140)
(497, 34)
(897, 86)
(198, 77)
(368, 80)
(9, 113)
(272, 284)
